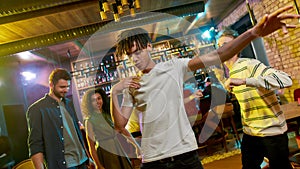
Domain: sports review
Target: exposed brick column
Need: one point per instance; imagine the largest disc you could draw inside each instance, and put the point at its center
(283, 51)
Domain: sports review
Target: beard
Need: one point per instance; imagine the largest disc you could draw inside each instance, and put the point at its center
(58, 94)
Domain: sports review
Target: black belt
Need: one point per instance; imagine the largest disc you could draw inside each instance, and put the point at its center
(177, 157)
(136, 134)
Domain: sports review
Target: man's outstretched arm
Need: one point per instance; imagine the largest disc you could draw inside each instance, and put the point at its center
(268, 24)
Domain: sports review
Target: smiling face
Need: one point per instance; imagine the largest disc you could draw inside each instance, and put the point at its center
(60, 89)
(141, 58)
(97, 102)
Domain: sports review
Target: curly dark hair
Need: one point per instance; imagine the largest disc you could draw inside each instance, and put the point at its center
(127, 38)
(86, 104)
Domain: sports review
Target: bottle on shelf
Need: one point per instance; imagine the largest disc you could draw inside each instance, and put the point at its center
(129, 72)
(81, 70)
(92, 66)
(107, 63)
(112, 61)
(133, 71)
(87, 69)
(116, 74)
(123, 74)
(75, 73)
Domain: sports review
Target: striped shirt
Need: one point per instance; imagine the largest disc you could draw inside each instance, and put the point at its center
(260, 110)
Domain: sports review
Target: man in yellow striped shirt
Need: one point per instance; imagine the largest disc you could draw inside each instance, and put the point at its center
(264, 124)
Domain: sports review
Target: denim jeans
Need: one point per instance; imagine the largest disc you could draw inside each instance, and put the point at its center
(191, 161)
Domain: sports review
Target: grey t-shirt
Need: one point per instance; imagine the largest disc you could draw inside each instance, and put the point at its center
(74, 152)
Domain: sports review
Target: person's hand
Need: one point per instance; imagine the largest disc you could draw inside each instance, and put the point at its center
(274, 21)
(129, 82)
(231, 82)
(138, 151)
(197, 94)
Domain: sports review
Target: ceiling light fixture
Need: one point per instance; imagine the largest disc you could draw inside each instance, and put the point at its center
(117, 7)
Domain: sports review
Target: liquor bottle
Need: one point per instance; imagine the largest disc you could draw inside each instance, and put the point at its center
(79, 83)
(107, 64)
(115, 74)
(81, 70)
(92, 66)
(103, 78)
(134, 71)
(95, 81)
(75, 70)
(123, 75)
(112, 61)
(107, 77)
(99, 80)
(87, 69)
(111, 76)
(129, 72)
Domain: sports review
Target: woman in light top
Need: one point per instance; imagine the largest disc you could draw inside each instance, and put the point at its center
(103, 142)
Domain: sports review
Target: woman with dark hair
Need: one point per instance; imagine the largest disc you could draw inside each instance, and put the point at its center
(103, 143)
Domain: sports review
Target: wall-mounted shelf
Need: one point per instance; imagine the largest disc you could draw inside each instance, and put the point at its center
(105, 71)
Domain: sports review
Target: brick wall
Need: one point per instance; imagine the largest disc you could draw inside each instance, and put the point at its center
(283, 51)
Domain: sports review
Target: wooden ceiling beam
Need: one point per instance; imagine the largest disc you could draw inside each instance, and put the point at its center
(85, 31)
(30, 13)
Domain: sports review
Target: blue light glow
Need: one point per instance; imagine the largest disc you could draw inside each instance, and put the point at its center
(206, 35)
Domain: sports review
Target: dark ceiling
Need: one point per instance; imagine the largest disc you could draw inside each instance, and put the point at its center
(57, 30)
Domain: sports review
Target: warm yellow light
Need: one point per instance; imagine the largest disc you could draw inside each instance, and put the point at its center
(124, 2)
(116, 17)
(137, 4)
(132, 12)
(120, 10)
(103, 15)
(105, 7)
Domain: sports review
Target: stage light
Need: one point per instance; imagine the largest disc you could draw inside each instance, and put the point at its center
(28, 76)
(206, 35)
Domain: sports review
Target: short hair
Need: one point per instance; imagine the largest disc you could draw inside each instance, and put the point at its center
(227, 31)
(57, 74)
(127, 38)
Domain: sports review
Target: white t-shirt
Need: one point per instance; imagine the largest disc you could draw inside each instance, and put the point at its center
(166, 129)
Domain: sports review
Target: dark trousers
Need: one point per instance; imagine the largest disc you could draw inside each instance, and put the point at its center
(81, 166)
(275, 148)
(189, 160)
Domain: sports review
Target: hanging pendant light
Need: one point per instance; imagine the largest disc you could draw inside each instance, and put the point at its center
(102, 13)
(105, 6)
(137, 4)
(115, 11)
(124, 2)
(131, 8)
(119, 6)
